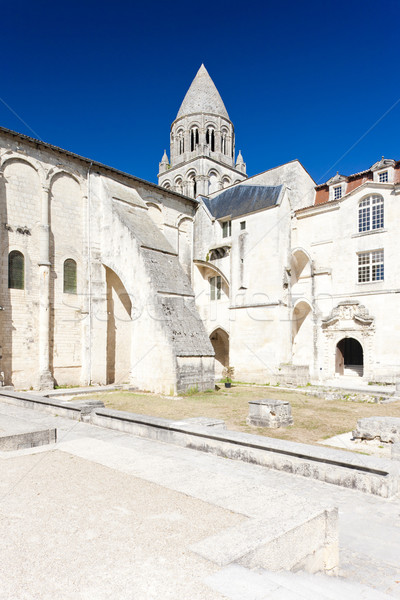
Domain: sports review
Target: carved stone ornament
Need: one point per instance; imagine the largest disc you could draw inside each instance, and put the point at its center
(347, 311)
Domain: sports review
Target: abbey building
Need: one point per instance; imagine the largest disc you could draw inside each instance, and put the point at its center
(107, 278)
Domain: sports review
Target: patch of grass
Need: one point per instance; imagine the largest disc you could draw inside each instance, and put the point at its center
(314, 418)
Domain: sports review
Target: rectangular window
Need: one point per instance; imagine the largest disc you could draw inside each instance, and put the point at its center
(337, 192)
(370, 266)
(383, 177)
(226, 229)
(370, 214)
(242, 225)
(215, 287)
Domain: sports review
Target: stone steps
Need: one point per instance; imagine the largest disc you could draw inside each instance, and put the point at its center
(238, 583)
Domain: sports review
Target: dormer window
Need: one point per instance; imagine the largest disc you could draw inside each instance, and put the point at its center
(383, 170)
(337, 192)
(383, 177)
(337, 187)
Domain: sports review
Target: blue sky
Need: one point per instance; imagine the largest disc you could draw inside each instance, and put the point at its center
(315, 81)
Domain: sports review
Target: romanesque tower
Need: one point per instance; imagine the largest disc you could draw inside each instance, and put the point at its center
(202, 144)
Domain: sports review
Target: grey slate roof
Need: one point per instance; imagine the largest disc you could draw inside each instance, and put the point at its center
(242, 200)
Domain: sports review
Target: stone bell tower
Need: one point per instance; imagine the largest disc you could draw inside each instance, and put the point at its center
(202, 144)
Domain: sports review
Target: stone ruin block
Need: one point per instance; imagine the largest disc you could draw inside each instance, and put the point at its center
(270, 413)
(396, 452)
(386, 429)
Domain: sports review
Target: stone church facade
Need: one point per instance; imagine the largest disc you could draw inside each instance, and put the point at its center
(107, 278)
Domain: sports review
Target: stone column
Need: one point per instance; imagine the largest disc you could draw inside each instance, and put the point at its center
(46, 380)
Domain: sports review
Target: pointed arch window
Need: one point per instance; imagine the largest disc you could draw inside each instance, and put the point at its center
(70, 272)
(16, 270)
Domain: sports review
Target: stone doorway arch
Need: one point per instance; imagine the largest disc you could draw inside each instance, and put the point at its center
(349, 357)
(220, 342)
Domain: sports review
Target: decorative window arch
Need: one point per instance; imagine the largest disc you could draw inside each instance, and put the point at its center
(181, 141)
(70, 276)
(194, 138)
(178, 185)
(210, 138)
(224, 145)
(371, 213)
(191, 178)
(16, 270)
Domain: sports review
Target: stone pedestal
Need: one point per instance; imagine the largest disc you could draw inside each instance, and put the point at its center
(270, 413)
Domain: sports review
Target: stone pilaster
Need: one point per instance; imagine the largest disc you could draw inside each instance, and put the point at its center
(45, 377)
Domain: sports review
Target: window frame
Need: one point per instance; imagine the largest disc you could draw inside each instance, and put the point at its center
(215, 287)
(371, 270)
(371, 213)
(73, 289)
(383, 176)
(337, 192)
(226, 229)
(12, 276)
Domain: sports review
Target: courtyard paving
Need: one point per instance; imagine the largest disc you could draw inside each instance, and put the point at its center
(104, 514)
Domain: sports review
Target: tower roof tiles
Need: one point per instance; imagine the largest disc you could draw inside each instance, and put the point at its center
(202, 97)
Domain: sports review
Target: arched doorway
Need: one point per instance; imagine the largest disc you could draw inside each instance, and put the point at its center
(349, 358)
(220, 342)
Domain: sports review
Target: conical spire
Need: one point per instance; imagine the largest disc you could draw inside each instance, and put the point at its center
(239, 160)
(164, 160)
(202, 97)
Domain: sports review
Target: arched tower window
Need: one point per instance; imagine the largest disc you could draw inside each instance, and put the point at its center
(192, 187)
(223, 142)
(16, 270)
(194, 138)
(210, 138)
(69, 276)
(178, 185)
(181, 142)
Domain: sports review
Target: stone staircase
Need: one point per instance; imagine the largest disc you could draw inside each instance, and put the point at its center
(353, 371)
(238, 583)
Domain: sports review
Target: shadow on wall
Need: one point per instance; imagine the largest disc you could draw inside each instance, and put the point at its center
(119, 329)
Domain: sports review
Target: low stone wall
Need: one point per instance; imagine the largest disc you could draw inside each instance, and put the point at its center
(367, 474)
(364, 473)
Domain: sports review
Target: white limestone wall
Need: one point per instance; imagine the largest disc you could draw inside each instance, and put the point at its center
(255, 313)
(329, 234)
(20, 198)
(67, 205)
(53, 210)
